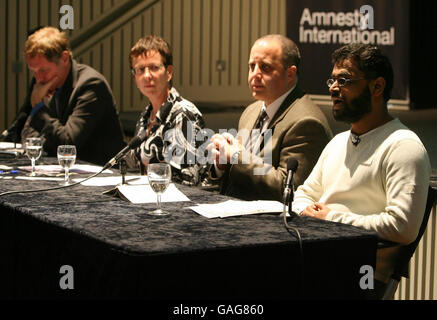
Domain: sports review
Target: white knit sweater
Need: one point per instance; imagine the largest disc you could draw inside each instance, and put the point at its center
(381, 184)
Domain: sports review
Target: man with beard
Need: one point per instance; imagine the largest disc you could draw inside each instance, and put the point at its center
(376, 175)
(283, 123)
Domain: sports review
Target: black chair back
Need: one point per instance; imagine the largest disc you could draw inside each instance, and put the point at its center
(401, 269)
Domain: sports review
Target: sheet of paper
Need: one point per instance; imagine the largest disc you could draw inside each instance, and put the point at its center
(9, 145)
(38, 178)
(113, 181)
(56, 169)
(145, 194)
(232, 208)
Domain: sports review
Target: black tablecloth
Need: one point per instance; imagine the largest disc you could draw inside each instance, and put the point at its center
(117, 250)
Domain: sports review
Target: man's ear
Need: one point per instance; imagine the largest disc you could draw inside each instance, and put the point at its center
(291, 73)
(377, 86)
(65, 56)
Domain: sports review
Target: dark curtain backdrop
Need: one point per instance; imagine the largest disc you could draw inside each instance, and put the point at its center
(316, 64)
(422, 54)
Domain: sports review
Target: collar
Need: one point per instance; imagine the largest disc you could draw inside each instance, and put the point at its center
(165, 108)
(356, 139)
(272, 108)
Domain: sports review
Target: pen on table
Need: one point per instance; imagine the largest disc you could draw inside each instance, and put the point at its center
(133, 179)
(8, 172)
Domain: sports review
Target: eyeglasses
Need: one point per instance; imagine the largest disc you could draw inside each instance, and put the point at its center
(153, 69)
(341, 81)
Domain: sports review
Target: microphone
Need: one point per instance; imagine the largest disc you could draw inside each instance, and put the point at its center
(288, 187)
(133, 144)
(14, 130)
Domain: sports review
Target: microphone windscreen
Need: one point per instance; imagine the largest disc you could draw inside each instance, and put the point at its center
(292, 164)
(135, 142)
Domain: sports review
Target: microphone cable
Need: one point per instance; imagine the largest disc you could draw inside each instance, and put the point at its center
(53, 188)
(299, 239)
(134, 143)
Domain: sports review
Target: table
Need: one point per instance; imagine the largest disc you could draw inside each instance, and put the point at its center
(116, 250)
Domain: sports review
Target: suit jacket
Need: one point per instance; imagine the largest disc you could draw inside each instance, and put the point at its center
(299, 129)
(84, 115)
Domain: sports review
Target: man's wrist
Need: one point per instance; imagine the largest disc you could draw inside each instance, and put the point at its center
(36, 108)
(235, 156)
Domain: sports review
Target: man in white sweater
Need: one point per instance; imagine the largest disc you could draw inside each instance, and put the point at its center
(376, 175)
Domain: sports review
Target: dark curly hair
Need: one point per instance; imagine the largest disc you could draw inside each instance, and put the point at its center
(370, 60)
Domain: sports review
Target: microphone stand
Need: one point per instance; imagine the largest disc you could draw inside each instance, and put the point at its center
(288, 201)
(123, 171)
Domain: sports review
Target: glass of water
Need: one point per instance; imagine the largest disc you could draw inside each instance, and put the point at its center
(159, 175)
(66, 159)
(33, 151)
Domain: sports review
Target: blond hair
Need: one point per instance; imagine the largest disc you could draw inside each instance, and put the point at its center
(49, 42)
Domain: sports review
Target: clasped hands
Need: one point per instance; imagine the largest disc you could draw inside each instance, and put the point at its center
(222, 147)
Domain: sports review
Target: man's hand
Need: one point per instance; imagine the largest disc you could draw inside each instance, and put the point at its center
(40, 90)
(317, 210)
(222, 147)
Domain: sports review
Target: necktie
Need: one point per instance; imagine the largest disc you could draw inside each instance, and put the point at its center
(261, 119)
(255, 140)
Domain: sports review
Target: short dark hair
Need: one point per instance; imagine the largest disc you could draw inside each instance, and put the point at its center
(150, 43)
(370, 60)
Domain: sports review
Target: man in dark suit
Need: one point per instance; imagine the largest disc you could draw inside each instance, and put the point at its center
(68, 103)
(283, 123)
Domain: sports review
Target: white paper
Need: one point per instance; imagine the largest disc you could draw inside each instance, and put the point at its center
(232, 208)
(113, 181)
(9, 145)
(55, 169)
(145, 194)
(38, 178)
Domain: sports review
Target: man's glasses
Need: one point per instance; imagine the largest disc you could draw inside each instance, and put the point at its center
(153, 69)
(341, 81)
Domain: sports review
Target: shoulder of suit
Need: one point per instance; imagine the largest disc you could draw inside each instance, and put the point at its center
(253, 106)
(85, 75)
(305, 105)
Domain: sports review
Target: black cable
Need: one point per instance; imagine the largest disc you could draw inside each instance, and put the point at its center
(53, 188)
(299, 238)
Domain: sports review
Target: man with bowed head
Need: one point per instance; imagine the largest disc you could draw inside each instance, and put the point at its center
(283, 123)
(68, 102)
(376, 175)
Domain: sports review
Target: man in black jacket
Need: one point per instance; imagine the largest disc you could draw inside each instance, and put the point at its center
(68, 103)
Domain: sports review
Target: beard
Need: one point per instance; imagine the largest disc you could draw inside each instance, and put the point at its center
(356, 109)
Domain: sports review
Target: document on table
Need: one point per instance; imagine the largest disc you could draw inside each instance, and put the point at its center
(9, 150)
(113, 181)
(10, 145)
(232, 208)
(145, 194)
(56, 169)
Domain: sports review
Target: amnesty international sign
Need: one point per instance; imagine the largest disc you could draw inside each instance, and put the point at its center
(320, 26)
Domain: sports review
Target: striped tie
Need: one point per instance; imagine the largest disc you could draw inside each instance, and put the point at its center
(261, 119)
(256, 142)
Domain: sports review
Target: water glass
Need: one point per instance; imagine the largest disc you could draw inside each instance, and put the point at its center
(66, 159)
(33, 151)
(159, 175)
